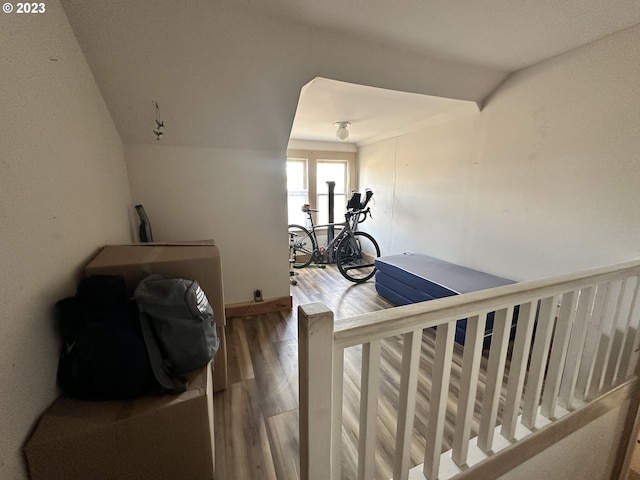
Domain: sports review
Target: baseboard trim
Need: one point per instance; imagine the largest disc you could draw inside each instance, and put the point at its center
(245, 309)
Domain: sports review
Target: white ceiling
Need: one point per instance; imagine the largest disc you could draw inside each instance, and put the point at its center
(504, 34)
(374, 113)
(222, 68)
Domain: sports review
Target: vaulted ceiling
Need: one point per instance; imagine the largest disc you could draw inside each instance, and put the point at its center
(229, 73)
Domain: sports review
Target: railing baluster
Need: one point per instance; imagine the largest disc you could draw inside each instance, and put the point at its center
(518, 369)
(585, 373)
(411, 346)
(576, 347)
(368, 409)
(315, 365)
(495, 375)
(562, 334)
(615, 336)
(468, 387)
(629, 293)
(629, 352)
(603, 350)
(438, 401)
(544, 329)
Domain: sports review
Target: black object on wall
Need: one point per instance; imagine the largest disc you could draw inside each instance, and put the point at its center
(144, 230)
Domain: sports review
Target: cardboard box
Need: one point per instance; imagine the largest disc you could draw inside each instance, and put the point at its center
(194, 261)
(160, 438)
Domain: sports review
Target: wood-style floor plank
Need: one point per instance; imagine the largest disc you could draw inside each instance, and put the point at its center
(239, 363)
(285, 446)
(242, 446)
(257, 416)
(276, 395)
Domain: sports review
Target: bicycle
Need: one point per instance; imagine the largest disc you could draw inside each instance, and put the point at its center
(352, 250)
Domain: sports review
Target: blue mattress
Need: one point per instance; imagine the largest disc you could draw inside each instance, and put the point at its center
(411, 278)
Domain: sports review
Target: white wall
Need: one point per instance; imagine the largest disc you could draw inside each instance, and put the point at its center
(295, 144)
(543, 181)
(63, 193)
(237, 197)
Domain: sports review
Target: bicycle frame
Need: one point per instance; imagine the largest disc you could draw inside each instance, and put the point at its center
(321, 252)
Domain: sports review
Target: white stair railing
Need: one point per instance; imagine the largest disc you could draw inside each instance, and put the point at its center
(576, 341)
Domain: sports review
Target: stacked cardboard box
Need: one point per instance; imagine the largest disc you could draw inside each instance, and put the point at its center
(161, 438)
(168, 437)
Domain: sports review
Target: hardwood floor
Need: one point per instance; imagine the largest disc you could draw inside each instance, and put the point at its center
(256, 418)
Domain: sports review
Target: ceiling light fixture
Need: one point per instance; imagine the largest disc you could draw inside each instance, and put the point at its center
(342, 133)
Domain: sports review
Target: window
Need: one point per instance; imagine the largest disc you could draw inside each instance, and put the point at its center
(334, 171)
(307, 175)
(297, 190)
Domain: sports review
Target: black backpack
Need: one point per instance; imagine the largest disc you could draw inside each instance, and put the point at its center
(117, 348)
(104, 355)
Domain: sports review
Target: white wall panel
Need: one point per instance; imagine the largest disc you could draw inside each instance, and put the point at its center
(542, 181)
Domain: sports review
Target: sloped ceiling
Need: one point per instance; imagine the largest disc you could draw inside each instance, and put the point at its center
(228, 73)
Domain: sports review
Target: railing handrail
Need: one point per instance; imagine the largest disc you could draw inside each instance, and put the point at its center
(387, 323)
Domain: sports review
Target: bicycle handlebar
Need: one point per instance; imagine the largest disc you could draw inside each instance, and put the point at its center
(354, 207)
(360, 214)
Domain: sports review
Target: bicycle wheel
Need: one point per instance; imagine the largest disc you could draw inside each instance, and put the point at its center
(355, 256)
(303, 246)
